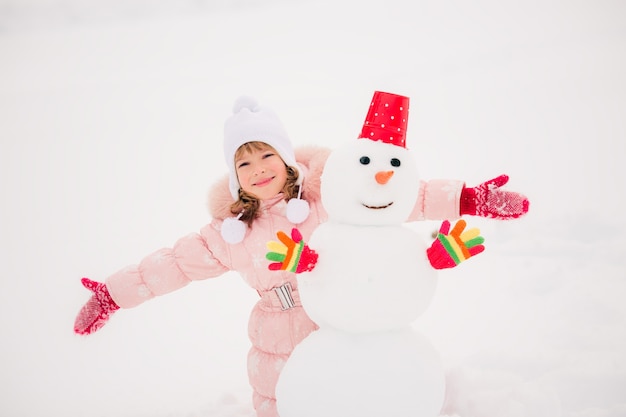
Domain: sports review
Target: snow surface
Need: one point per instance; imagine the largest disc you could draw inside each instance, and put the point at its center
(111, 119)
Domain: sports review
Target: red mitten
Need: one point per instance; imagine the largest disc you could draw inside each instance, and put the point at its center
(488, 200)
(291, 254)
(454, 246)
(98, 309)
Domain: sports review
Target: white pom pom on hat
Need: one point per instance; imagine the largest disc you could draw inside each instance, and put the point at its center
(297, 210)
(245, 102)
(233, 230)
(252, 122)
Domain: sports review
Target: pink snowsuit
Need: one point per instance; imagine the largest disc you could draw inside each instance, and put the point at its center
(277, 322)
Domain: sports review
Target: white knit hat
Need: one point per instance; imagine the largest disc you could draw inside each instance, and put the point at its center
(251, 122)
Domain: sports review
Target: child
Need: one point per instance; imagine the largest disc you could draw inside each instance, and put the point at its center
(269, 188)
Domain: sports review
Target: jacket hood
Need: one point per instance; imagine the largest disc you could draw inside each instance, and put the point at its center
(312, 158)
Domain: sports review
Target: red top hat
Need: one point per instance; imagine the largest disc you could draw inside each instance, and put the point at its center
(386, 120)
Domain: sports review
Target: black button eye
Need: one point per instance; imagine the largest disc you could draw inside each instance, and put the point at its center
(395, 162)
(364, 160)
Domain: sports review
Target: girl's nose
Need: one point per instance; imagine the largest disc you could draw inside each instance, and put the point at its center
(383, 176)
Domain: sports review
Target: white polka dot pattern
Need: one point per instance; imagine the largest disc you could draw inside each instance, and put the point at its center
(387, 118)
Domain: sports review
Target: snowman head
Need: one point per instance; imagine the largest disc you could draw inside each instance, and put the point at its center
(373, 180)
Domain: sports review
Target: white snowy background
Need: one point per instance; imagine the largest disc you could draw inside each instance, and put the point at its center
(111, 118)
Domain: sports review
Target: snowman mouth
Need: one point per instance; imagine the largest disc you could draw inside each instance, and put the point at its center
(378, 207)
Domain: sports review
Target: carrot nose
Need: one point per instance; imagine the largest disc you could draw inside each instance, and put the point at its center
(383, 176)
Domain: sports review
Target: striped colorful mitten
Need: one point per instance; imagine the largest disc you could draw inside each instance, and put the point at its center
(454, 246)
(291, 253)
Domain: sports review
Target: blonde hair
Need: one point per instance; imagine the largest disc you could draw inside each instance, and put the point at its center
(248, 204)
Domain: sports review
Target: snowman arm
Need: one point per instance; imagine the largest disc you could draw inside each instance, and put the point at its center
(451, 247)
(437, 199)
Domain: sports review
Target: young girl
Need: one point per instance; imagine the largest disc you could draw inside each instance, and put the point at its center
(270, 188)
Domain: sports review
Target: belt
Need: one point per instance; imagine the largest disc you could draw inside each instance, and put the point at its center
(283, 296)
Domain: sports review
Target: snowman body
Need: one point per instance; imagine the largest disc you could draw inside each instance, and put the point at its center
(365, 360)
(367, 278)
(371, 281)
(332, 373)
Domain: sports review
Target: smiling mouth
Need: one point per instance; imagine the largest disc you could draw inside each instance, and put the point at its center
(263, 182)
(378, 207)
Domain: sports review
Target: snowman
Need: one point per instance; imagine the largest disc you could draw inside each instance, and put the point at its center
(371, 279)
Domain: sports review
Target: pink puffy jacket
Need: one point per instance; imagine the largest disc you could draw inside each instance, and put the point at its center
(278, 322)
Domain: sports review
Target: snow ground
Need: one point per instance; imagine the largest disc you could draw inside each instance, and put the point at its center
(110, 125)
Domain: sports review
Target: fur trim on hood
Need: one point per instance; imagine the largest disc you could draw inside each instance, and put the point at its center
(312, 158)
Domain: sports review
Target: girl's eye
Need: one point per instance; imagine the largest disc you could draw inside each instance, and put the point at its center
(395, 162)
(364, 160)
(268, 155)
(243, 164)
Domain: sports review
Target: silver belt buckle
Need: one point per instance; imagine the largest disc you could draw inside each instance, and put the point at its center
(284, 295)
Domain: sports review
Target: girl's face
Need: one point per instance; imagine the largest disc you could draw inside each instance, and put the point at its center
(261, 171)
